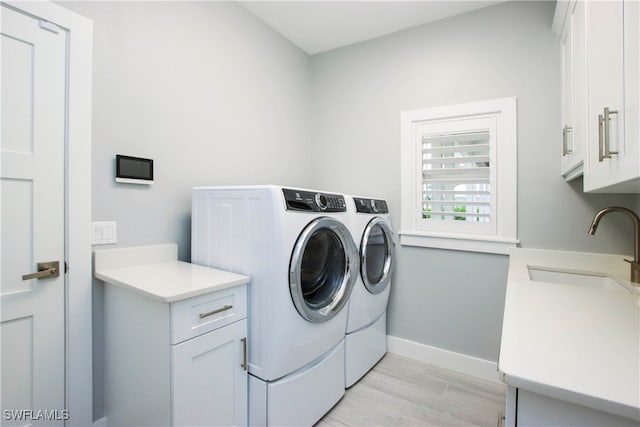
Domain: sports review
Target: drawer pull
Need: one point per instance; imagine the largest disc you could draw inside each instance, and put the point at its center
(220, 310)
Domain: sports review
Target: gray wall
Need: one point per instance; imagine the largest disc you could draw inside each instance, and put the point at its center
(209, 92)
(451, 299)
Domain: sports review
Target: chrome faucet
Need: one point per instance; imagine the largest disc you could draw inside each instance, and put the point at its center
(635, 263)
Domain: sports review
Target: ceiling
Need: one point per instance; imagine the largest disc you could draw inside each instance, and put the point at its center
(318, 26)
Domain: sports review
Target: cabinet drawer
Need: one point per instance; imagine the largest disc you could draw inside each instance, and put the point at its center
(198, 315)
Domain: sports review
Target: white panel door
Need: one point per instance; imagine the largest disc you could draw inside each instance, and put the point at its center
(32, 219)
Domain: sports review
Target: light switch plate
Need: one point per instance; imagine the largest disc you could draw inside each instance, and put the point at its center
(104, 232)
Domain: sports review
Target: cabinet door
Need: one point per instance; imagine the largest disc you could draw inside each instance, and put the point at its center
(209, 378)
(568, 105)
(606, 75)
(538, 410)
(511, 409)
(629, 157)
(579, 136)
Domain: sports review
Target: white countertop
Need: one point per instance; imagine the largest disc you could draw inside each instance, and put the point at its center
(155, 272)
(569, 342)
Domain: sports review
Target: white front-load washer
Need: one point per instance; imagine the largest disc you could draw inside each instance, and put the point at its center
(297, 248)
(366, 333)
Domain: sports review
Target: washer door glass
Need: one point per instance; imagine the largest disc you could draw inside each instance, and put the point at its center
(323, 269)
(377, 253)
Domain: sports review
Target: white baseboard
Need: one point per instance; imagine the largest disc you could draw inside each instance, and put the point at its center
(102, 422)
(462, 363)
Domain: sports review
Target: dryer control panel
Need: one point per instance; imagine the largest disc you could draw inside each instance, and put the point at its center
(302, 200)
(371, 206)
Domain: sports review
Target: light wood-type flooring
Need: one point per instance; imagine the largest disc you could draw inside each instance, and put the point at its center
(405, 392)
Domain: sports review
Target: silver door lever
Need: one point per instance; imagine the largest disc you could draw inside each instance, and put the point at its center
(46, 270)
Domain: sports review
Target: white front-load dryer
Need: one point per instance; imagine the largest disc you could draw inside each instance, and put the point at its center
(366, 333)
(297, 248)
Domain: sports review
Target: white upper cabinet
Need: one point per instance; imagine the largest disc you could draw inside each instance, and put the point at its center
(606, 92)
(574, 87)
(629, 158)
(600, 48)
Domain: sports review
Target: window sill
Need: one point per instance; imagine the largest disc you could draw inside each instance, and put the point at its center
(458, 242)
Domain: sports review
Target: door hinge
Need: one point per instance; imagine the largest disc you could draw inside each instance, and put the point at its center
(66, 267)
(49, 26)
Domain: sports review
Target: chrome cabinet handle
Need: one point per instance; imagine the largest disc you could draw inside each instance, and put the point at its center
(607, 137)
(604, 137)
(600, 126)
(220, 310)
(244, 354)
(565, 132)
(46, 270)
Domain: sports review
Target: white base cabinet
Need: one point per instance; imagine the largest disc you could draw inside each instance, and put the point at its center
(208, 384)
(532, 409)
(181, 363)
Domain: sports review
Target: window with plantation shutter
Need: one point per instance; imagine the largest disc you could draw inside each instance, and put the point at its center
(459, 177)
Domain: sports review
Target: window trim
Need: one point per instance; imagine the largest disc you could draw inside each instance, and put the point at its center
(505, 236)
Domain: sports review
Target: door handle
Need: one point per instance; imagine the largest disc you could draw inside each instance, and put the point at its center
(46, 270)
(244, 354)
(607, 137)
(565, 136)
(604, 138)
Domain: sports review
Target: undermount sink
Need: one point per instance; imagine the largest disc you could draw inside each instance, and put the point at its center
(584, 279)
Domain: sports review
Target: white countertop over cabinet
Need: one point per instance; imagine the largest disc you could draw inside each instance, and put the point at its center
(175, 339)
(155, 272)
(571, 350)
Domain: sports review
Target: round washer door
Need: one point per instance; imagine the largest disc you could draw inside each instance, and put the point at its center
(377, 253)
(323, 269)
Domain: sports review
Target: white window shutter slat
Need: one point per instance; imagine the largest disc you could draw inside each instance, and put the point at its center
(456, 178)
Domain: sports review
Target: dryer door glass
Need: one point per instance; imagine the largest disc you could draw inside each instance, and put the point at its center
(377, 252)
(323, 269)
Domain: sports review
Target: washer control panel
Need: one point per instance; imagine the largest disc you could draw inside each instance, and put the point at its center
(302, 200)
(371, 206)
